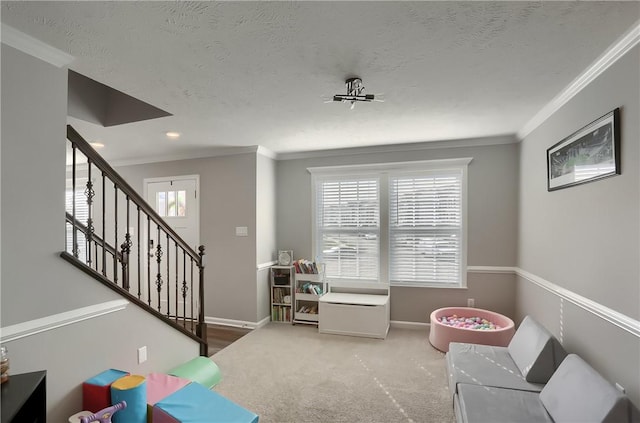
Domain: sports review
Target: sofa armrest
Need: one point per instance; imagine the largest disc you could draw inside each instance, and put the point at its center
(578, 393)
(536, 352)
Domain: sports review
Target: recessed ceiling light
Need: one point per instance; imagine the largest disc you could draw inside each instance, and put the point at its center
(173, 135)
(97, 145)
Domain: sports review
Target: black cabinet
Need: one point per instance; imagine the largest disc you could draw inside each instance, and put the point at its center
(24, 398)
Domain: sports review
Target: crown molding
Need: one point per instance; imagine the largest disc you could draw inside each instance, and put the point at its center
(34, 47)
(617, 50)
(264, 151)
(392, 166)
(388, 148)
(216, 152)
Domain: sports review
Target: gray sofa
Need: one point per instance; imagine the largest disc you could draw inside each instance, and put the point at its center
(575, 393)
(531, 380)
(525, 364)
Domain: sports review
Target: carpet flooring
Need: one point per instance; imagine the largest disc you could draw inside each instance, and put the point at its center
(287, 373)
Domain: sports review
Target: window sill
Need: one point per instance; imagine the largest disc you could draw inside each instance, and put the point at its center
(405, 285)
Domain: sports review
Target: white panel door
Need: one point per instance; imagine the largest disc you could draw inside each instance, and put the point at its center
(176, 200)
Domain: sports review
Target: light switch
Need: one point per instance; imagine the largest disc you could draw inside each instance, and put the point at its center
(242, 231)
(142, 354)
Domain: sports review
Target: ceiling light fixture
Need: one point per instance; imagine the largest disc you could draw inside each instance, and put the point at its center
(97, 145)
(173, 135)
(354, 93)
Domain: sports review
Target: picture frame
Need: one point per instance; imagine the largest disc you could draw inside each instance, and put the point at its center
(589, 154)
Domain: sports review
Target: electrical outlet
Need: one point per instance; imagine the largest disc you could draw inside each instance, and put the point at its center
(142, 354)
(471, 302)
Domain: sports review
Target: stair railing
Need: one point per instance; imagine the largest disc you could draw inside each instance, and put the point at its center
(113, 234)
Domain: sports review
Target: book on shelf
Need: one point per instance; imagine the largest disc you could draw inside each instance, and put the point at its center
(306, 266)
(309, 309)
(281, 295)
(281, 314)
(310, 288)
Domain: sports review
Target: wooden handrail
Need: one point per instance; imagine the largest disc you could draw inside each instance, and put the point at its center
(83, 228)
(86, 149)
(96, 275)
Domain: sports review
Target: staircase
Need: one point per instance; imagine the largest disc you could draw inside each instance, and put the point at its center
(113, 235)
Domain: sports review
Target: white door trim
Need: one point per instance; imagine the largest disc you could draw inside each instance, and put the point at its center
(147, 181)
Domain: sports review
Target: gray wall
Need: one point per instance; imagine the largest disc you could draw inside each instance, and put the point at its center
(34, 98)
(492, 221)
(35, 281)
(74, 353)
(585, 238)
(265, 229)
(227, 199)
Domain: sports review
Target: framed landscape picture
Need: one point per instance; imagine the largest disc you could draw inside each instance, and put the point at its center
(591, 153)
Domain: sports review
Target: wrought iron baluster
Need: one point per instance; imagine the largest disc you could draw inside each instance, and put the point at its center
(177, 283)
(184, 288)
(126, 251)
(115, 243)
(89, 193)
(201, 329)
(168, 280)
(149, 255)
(192, 318)
(159, 261)
(74, 234)
(95, 248)
(104, 233)
(139, 281)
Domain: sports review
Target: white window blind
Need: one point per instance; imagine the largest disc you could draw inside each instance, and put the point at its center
(425, 228)
(348, 227)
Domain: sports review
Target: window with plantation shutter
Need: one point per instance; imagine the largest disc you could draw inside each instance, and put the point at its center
(348, 226)
(425, 228)
(402, 224)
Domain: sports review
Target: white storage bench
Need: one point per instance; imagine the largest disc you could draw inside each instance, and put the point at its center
(353, 314)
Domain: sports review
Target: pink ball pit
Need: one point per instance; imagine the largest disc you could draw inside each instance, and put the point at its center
(440, 334)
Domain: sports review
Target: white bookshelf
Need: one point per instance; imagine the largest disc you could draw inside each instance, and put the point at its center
(305, 301)
(281, 287)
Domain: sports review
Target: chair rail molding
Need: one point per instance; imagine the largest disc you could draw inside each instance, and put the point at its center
(614, 317)
(43, 324)
(266, 265)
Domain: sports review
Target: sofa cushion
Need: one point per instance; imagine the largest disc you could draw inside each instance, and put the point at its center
(484, 365)
(535, 351)
(578, 393)
(475, 403)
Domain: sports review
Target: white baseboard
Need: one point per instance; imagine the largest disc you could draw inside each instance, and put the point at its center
(236, 323)
(43, 324)
(409, 325)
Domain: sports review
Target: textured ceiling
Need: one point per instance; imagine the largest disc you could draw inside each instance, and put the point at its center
(238, 74)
